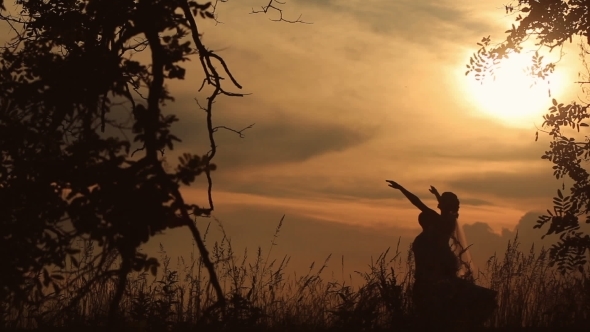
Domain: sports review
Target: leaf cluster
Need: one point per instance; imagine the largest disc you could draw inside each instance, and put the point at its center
(62, 175)
(568, 157)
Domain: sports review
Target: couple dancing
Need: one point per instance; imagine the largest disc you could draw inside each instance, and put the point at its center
(442, 298)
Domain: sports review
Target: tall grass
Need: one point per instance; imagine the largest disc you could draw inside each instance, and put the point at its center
(261, 295)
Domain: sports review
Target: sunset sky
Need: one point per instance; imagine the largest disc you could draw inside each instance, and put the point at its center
(372, 90)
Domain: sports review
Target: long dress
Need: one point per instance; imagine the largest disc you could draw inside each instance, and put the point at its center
(440, 297)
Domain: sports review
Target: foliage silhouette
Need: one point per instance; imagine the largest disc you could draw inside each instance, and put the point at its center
(64, 173)
(551, 23)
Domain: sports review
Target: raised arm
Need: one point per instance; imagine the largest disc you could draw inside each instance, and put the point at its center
(411, 197)
(435, 193)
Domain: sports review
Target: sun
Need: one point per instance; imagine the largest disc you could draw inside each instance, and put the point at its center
(514, 97)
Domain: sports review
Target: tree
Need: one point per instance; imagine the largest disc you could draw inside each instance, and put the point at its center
(64, 172)
(550, 24)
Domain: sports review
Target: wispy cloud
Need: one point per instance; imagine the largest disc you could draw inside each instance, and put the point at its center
(511, 185)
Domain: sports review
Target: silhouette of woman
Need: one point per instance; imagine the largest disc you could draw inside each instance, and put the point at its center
(441, 298)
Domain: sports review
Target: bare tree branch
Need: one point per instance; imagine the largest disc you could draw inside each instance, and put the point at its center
(239, 132)
(273, 4)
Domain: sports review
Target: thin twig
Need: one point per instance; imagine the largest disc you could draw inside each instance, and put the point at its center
(271, 5)
(239, 132)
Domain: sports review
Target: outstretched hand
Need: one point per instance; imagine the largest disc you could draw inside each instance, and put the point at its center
(394, 184)
(434, 192)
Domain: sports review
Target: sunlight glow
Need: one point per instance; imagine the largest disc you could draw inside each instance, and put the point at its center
(510, 98)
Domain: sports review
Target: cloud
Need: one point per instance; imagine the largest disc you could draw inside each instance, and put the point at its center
(277, 138)
(475, 202)
(494, 151)
(416, 21)
(487, 243)
(290, 140)
(509, 185)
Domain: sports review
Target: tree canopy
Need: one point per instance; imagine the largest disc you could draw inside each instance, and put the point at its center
(65, 171)
(548, 25)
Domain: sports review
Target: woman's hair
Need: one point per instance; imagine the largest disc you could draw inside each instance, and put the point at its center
(449, 202)
(449, 205)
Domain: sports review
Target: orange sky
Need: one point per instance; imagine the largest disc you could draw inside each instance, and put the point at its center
(372, 90)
